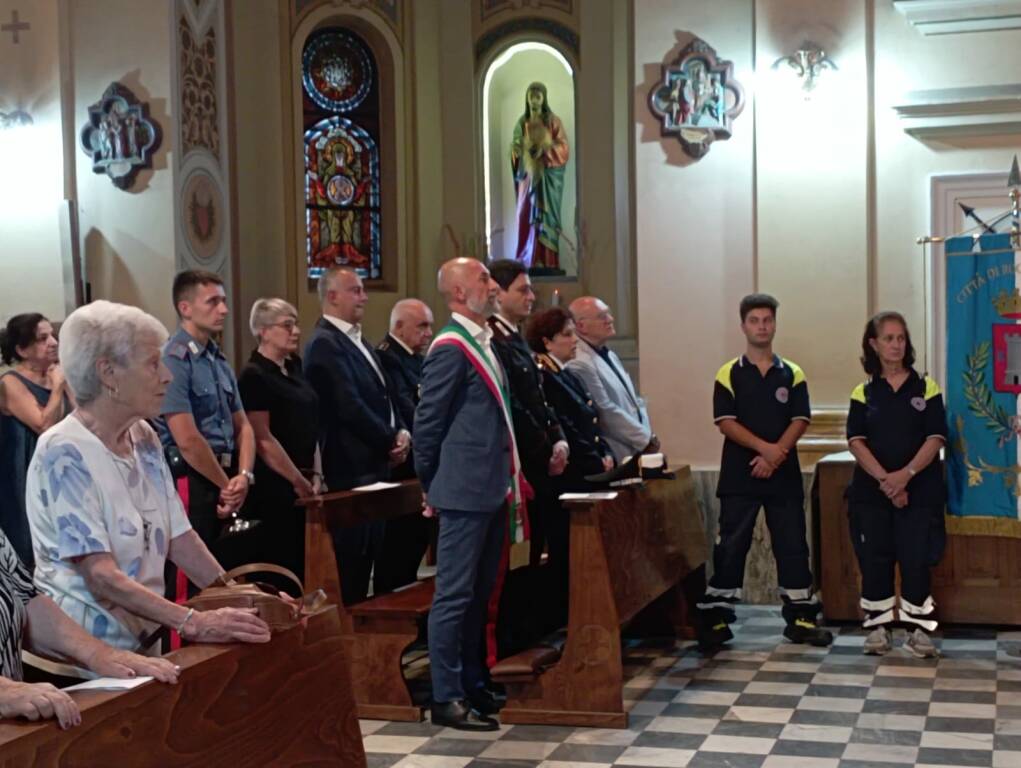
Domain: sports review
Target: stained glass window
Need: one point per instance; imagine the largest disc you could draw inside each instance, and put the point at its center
(341, 143)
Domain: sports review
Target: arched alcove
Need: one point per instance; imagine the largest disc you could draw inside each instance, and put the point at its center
(505, 83)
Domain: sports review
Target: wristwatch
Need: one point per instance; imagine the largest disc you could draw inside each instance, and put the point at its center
(247, 473)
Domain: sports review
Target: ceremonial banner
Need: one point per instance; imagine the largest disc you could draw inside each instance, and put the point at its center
(983, 307)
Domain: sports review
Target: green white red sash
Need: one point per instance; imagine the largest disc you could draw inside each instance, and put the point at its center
(455, 334)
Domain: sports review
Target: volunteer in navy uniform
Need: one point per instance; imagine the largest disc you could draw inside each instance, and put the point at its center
(203, 427)
(896, 426)
(760, 405)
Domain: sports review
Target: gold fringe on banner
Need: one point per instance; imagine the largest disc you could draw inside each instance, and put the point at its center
(980, 525)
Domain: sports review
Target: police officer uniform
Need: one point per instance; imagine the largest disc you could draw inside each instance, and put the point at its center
(204, 386)
(766, 405)
(536, 428)
(895, 425)
(405, 539)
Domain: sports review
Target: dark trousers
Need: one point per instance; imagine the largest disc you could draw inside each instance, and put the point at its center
(405, 540)
(356, 549)
(884, 537)
(467, 562)
(785, 518)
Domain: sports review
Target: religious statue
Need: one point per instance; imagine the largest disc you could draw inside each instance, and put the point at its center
(539, 155)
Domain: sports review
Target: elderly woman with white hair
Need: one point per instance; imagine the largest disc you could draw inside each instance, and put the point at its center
(284, 412)
(102, 505)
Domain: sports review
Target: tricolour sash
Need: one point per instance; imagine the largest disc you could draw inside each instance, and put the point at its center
(455, 334)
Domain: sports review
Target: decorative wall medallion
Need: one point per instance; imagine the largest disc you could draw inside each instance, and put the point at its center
(698, 98)
(336, 71)
(199, 122)
(120, 137)
(202, 205)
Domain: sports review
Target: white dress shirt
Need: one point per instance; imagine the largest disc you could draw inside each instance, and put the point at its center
(483, 334)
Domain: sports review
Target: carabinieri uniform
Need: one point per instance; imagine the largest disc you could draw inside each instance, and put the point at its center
(895, 425)
(766, 405)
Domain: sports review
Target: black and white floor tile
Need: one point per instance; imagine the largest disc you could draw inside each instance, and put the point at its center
(765, 703)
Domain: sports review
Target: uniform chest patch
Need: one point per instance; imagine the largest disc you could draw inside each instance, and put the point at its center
(782, 394)
(918, 403)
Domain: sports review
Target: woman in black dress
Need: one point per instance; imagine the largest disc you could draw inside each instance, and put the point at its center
(33, 397)
(284, 412)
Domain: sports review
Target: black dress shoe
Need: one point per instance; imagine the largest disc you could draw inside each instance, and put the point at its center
(457, 714)
(484, 701)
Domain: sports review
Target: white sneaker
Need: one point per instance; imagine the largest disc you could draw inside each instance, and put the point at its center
(879, 642)
(919, 644)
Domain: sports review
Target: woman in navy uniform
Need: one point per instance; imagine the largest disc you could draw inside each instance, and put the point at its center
(895, 429)
(552, 337)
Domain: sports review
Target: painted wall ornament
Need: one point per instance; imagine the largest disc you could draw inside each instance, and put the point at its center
(120, 137)
(697, 99)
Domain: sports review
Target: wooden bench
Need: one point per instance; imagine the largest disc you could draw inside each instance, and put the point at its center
(645, 549)
(377, 632)
(283, 703)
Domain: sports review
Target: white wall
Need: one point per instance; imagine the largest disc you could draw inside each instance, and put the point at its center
(31, 165)
(818, 202)
(127, 235)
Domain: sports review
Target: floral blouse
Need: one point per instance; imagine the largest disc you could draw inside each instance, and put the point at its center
(82, 499)
(15, 591)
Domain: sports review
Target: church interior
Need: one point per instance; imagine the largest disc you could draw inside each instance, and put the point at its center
(829, 153)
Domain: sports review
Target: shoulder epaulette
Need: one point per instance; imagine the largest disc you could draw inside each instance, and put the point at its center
(177, 349)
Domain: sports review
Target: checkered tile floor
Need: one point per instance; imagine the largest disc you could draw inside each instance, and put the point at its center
(764, 703)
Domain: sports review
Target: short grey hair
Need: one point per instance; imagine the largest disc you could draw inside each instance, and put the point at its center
(265, 312)
(326, 280)
(100, 330)
(401, 308)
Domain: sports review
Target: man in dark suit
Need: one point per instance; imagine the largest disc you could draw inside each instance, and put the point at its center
(466, 459)
(407, 537)
(361, 434)
(544, 450)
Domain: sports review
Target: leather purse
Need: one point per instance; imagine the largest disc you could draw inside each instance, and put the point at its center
(270, 607)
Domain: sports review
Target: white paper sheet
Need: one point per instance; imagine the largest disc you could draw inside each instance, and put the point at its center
(375, 487)
(594, 496)
(109, 684)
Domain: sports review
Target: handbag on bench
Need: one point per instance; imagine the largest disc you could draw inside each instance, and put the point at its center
(270, 607)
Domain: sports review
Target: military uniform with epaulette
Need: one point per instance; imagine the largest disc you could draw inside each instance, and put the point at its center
(406, 538)
(205, 386)
(536, 427)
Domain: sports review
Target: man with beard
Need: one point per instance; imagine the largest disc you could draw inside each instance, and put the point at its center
(760, 405)
(466, 459)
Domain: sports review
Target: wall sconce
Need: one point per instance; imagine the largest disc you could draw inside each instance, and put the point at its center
(808, 62)
(16, 119)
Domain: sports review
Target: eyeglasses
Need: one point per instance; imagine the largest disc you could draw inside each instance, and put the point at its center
(288, 325)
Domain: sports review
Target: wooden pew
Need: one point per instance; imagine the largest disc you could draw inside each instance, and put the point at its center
(377, 632)
(978, 581)
(284, 703)
(645, 547)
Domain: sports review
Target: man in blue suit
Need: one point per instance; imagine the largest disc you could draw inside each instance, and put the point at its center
(465, 458)
(361, 435)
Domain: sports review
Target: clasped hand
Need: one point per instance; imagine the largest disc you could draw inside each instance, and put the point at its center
(401, 448)
(232, 496)
(894, 485)
(558, 460)
(768, 461)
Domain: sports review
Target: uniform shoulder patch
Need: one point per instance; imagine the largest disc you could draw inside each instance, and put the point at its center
(931, 388)
(723, 375)
(177, 349)
(858, 393)
(384, 345)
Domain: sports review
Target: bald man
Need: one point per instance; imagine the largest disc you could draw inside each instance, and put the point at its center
(406, 538)
(466, 460)
(622, 412)
(361, 433)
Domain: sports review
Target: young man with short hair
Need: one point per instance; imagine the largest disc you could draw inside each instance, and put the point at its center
(760, 405)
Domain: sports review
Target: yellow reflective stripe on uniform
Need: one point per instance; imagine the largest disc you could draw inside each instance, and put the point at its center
(723, 375)
(858, 393)
(931, 389)
(799, 375)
